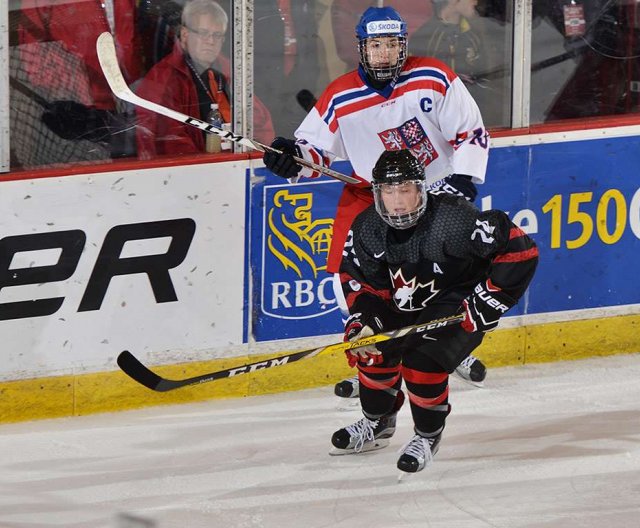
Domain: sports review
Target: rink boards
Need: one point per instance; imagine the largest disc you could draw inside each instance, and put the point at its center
(207, 266)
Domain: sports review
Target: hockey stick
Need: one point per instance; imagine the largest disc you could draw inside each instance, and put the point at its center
(109, 63)
(133, 368)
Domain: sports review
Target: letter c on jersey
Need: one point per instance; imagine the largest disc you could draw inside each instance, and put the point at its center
(426, 104)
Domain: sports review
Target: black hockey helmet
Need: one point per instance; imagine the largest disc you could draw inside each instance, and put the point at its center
(399, 171)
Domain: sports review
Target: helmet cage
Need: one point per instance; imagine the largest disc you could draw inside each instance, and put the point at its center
(381, 22)
(402, 220)
(383, 73)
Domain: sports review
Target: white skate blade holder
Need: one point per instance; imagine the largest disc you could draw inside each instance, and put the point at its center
(405, 476)
(348, 404)
(380, 443)
(458, 376)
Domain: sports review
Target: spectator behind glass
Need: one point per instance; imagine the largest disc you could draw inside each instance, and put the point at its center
(304, 69)
(159, 23)
(449, 37)
(73, 28)
(452, 37)
(346, 13)
(188, 80)
(586, 69)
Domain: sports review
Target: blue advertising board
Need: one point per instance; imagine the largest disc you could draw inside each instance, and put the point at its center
(290, 237)
(579, 200)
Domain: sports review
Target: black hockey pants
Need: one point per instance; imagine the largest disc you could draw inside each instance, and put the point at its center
(424, 362)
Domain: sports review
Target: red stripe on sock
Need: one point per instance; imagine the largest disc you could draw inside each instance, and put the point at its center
(426, 403)
(378, 384)
(423, 378)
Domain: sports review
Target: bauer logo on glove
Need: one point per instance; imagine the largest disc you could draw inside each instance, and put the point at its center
(358, 327)
(484, 308)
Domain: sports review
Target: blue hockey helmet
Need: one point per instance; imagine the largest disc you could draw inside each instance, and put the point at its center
(382, 63)
(381, 22)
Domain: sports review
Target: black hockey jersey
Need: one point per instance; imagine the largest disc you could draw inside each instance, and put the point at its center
(451, 249)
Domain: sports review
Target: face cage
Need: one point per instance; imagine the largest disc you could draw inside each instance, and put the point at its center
(388, 73)
(404, 220)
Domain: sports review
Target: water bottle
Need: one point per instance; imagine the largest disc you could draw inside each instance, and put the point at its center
(226, 144)
(214, 118)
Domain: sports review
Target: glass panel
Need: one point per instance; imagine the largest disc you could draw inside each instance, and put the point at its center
(62, 110)
(60, 102)
(311, 42)
(190, 42)
(290, 61)
(473, 37)
(585, 59)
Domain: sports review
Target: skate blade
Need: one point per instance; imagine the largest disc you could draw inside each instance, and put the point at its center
(407, 476)
(478, 384)
(369, 446)
(348, 405)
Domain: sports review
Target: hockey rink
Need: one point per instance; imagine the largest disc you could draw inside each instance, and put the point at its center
(541, 445)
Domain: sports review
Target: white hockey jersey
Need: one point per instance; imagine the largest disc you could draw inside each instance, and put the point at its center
(427, 110)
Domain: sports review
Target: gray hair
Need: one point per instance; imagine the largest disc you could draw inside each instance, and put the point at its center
(204, 7)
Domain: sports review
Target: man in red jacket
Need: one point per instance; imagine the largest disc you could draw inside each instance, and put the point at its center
(76, 26)
(189, 80)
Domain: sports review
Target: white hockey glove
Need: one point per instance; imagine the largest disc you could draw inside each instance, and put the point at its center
(357, 328)
(483, 309)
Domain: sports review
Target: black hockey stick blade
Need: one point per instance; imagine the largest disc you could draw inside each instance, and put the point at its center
(133, 368)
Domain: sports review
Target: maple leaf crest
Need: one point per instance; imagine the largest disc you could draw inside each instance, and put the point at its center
(410, 295)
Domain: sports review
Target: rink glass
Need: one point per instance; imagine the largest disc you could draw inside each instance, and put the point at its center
(526, 63)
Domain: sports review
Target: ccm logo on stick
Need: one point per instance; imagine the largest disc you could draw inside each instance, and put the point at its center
(108, 264)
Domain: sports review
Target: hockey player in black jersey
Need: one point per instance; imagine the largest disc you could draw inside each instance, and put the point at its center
(416, 256)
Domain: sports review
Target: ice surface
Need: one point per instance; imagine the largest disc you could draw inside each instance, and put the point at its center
(541, 445)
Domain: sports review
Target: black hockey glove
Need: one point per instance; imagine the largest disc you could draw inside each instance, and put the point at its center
(483, 309)
(358, 327)
(72, 120)
(460, 185)
(283, 164)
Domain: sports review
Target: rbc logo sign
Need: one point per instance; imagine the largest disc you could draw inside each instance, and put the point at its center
(297, 246)
(296, 292)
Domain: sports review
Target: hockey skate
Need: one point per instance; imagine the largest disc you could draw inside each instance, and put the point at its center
(472, 371)
(348, 388)
(367, 434)
(418, 453)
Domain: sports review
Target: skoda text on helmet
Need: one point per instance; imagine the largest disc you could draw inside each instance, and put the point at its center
(382, 57)
(399, 188)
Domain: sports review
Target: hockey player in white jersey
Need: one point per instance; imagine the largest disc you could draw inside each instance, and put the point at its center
(391, 102)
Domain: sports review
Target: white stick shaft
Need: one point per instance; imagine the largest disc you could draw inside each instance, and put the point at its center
(111, 69)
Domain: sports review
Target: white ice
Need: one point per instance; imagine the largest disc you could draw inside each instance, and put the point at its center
(541, 445)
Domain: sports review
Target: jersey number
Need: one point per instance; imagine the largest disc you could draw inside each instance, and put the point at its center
(484, 230)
